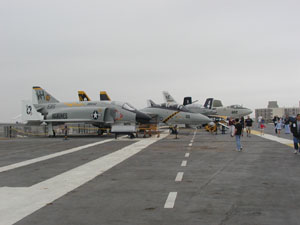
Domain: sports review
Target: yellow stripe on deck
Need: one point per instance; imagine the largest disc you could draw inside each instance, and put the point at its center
(274, 138)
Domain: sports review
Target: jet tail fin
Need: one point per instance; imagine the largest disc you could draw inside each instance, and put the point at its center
(151, 103)
(168, 98)
(208, 103)
(187, 101)
(83, 96)
(29, 113)
(41, 96)
(104, 96)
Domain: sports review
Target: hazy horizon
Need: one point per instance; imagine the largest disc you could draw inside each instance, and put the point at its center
(244, 53)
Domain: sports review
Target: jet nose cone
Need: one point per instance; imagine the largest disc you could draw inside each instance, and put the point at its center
(207, 120)
(142, 117)
(203, 119)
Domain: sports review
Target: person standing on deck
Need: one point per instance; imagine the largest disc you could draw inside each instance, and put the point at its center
(287, 125)
(295, 129)
(238, 133)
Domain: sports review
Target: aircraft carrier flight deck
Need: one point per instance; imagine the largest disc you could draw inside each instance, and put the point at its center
(198, 178)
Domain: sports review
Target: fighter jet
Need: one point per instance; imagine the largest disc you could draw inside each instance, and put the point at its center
(189, 105)
(174, 114)
(170, 114)
(100, 114)
(212, 107)
(234, 111)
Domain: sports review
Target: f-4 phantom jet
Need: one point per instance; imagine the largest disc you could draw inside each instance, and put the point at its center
(99, 114)
(165, 113)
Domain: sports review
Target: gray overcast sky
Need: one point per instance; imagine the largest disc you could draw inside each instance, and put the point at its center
(245, 52)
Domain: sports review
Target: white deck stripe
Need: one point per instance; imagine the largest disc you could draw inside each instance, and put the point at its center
(17, 203)
(179, 177)
(274, 138)
(187, 155)
(43, 158)
(171, 200)
(190, 144)
(184, 163)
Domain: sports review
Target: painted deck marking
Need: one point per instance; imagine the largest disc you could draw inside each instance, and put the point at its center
(190, 144)
(171, 200)
(57, 154)
(274, 138)
(17, 203)
(184, 163)
(187, 155)
(179, 177)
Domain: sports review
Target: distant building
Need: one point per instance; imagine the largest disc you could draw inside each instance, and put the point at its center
(274, 110)
(273, 105)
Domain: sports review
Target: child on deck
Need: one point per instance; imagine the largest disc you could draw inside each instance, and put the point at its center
(262, 129)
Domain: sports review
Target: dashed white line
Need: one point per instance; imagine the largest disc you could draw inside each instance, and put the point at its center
(190, 144)
(179, 177)
(184, 163)
(17, 203)
(171, 200)
(187, 155)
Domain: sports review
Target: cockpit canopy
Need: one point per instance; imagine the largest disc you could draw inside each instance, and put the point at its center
(125, 106)
(128, 107)
(175, 107)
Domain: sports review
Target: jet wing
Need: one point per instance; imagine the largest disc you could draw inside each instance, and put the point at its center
(224, 125)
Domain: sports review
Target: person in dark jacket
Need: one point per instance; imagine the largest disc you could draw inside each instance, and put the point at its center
(295, 129)
(287, 124)
(238, 133)
(248, 123)
(275, 121)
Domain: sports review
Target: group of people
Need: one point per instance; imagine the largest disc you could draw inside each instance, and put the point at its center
(237, 126)
(289, 127)
(280, 123)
